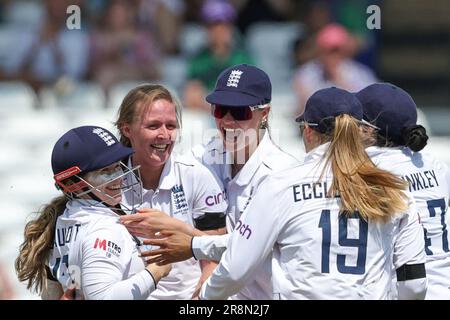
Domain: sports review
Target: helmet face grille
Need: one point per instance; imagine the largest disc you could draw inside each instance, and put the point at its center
(130, 190)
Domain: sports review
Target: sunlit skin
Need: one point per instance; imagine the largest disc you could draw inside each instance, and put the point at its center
(109, 193)
(152, 137)
(241, 137)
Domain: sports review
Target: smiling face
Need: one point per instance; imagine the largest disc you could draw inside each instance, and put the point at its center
(237, 135)
(107, 183)
(153, 133)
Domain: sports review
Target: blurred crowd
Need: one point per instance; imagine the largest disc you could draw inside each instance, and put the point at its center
(130, 40)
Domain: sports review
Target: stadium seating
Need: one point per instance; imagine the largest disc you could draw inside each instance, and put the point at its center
(271, 45)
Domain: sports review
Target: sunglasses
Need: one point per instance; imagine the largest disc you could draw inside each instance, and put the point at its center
(238, 113)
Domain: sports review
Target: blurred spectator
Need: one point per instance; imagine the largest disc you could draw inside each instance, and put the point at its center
(6, 290)
(351, 14)
(315, 16)
(50, 52)
(253, 11)
(119, 50)
(221, 52)
(333, 66)
(164, 18)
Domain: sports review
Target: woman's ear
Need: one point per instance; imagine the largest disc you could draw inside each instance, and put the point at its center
(126, 130)
(265, 116)
(310, 138)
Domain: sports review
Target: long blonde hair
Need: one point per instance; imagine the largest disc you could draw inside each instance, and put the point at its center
(377, 194)
(130, 108)
(39, 237)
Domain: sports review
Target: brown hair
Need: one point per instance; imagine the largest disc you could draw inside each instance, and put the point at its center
(39, 237)
(130, 109)
(377, 194)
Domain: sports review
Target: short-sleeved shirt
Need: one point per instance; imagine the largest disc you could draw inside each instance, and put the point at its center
(93, 252)
(206, 67)
(429, 183)
(265, 160)
(311, 76)
(187, 191)
(316, 252)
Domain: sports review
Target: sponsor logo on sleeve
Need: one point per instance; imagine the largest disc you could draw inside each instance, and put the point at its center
(215, 199)
(108, 246)
(243, 229)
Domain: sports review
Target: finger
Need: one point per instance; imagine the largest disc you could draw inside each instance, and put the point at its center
(131, 217)
(142, 232)
(165, 233)
(156, 242)
(153, 260)
(147, 210)
(160, 261)
(163, 262)
(150, 253)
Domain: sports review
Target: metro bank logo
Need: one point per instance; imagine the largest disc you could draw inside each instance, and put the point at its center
(101, 244)
(243, 229)
(110, 247)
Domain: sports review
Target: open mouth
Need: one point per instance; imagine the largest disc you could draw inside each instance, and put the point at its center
(114, 187)
(231, 133)
(160, 147)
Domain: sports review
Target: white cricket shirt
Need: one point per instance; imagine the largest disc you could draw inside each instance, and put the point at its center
(266, 159)
(93, 250)
(187, 191)
(429, 183)
(316, 253)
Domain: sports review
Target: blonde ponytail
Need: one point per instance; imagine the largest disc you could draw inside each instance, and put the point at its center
(34, 251)
(377, 194)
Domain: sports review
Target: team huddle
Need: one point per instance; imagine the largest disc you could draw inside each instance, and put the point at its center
(362, 216)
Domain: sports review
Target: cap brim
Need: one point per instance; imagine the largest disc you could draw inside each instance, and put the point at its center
(232, 98)
(300, 118)
(113, 155)
(367, 123)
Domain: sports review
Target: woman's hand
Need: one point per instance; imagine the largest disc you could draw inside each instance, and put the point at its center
(148, 222)
(159, 271)
(175, 246)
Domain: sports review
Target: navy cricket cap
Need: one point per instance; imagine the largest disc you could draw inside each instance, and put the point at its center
(327, 104)
(88, 148)
(390, 108)
(242, 85)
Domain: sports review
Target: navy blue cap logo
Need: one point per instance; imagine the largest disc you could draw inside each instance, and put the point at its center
(241, 85)
(105, 136)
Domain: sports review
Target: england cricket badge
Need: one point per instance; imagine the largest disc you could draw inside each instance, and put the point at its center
(179, 203)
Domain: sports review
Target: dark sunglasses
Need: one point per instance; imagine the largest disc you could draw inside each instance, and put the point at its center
(238, 113)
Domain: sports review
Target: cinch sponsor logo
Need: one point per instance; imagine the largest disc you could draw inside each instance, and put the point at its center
(243, 229)
(215, 199)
